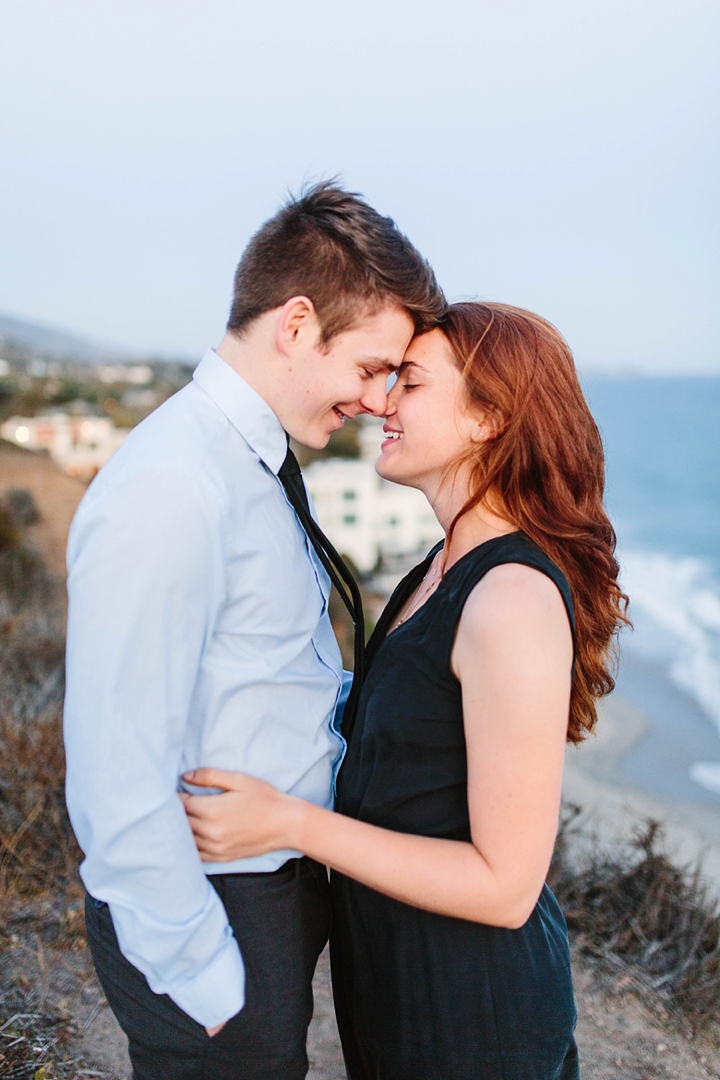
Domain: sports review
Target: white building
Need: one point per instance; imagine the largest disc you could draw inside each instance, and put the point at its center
(80, 445)
(136, 374)
(366, 517)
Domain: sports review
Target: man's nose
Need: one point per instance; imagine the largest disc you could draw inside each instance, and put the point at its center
(374, 400)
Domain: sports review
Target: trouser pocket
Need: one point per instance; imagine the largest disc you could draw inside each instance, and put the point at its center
(147, 1018)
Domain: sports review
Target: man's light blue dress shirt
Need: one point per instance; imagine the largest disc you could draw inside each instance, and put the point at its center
(198, 635)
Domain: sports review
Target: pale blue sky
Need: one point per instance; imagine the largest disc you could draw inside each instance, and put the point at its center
(559, 155)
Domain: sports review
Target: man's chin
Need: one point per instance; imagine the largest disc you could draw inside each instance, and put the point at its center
(313, 440)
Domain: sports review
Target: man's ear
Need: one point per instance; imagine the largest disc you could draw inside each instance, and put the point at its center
(297, 322)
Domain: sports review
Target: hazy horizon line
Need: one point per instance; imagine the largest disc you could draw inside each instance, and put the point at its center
(614, 369)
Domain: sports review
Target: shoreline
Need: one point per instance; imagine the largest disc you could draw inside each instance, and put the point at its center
(614, 803)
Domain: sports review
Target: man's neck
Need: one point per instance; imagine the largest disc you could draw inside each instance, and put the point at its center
(250, 356)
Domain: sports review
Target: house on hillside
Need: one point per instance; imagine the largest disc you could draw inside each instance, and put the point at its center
(80, 445)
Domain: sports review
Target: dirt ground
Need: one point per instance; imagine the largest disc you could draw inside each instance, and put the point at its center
(56, 495)
(620, 1038)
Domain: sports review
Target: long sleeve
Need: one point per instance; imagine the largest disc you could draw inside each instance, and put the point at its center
(146, 581)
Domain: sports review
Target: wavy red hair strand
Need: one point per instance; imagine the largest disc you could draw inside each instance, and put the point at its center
(544, 471)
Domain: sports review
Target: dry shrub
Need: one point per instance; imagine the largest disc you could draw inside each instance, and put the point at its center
(32, 626)
(40, 892)
(21, 507)
(19, 566)
(632, 907)
(39, 851)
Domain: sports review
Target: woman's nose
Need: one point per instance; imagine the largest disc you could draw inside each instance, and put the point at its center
(391, 404)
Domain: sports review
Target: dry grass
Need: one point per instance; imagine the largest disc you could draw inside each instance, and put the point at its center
(40, 892)
(633, 909)
(37, 1046)
(38, 854)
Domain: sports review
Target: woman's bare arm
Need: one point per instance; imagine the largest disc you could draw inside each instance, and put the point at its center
(513, 656)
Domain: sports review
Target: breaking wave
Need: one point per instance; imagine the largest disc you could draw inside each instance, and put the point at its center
(675, 606)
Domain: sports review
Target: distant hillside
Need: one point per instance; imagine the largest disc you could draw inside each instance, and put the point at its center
(47, 341)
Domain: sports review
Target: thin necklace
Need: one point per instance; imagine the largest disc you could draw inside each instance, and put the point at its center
(428, 584)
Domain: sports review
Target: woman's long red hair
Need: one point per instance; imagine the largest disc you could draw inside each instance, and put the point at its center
(544, 471)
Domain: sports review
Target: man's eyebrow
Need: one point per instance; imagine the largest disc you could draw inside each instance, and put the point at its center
(380, 363)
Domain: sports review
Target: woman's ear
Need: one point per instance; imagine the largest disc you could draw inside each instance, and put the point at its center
(486, 428)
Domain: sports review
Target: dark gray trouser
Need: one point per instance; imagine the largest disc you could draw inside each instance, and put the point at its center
(281, 922)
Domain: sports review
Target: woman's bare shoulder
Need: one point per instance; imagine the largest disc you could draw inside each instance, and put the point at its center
(511, 603)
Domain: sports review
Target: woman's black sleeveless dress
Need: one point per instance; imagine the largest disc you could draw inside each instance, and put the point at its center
(421, 996)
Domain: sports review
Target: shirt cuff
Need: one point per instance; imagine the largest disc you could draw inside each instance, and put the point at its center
(218, 992)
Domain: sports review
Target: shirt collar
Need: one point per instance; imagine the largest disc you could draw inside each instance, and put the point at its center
(244, 408)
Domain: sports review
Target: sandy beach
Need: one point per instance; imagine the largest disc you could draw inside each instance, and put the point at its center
(636, 767)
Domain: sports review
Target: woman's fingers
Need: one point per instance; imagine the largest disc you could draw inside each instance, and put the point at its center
(220, 826)
(246, 820)
(201, 807)
(209, 853)
(217, 778)
(212, 815)
(202, 830)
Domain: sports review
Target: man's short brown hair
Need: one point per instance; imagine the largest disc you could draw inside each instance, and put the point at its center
(329, 245)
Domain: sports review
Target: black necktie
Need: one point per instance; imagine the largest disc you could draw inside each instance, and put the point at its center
(341, 577)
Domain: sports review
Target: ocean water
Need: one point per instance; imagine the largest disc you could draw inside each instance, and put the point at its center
(662, 442)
